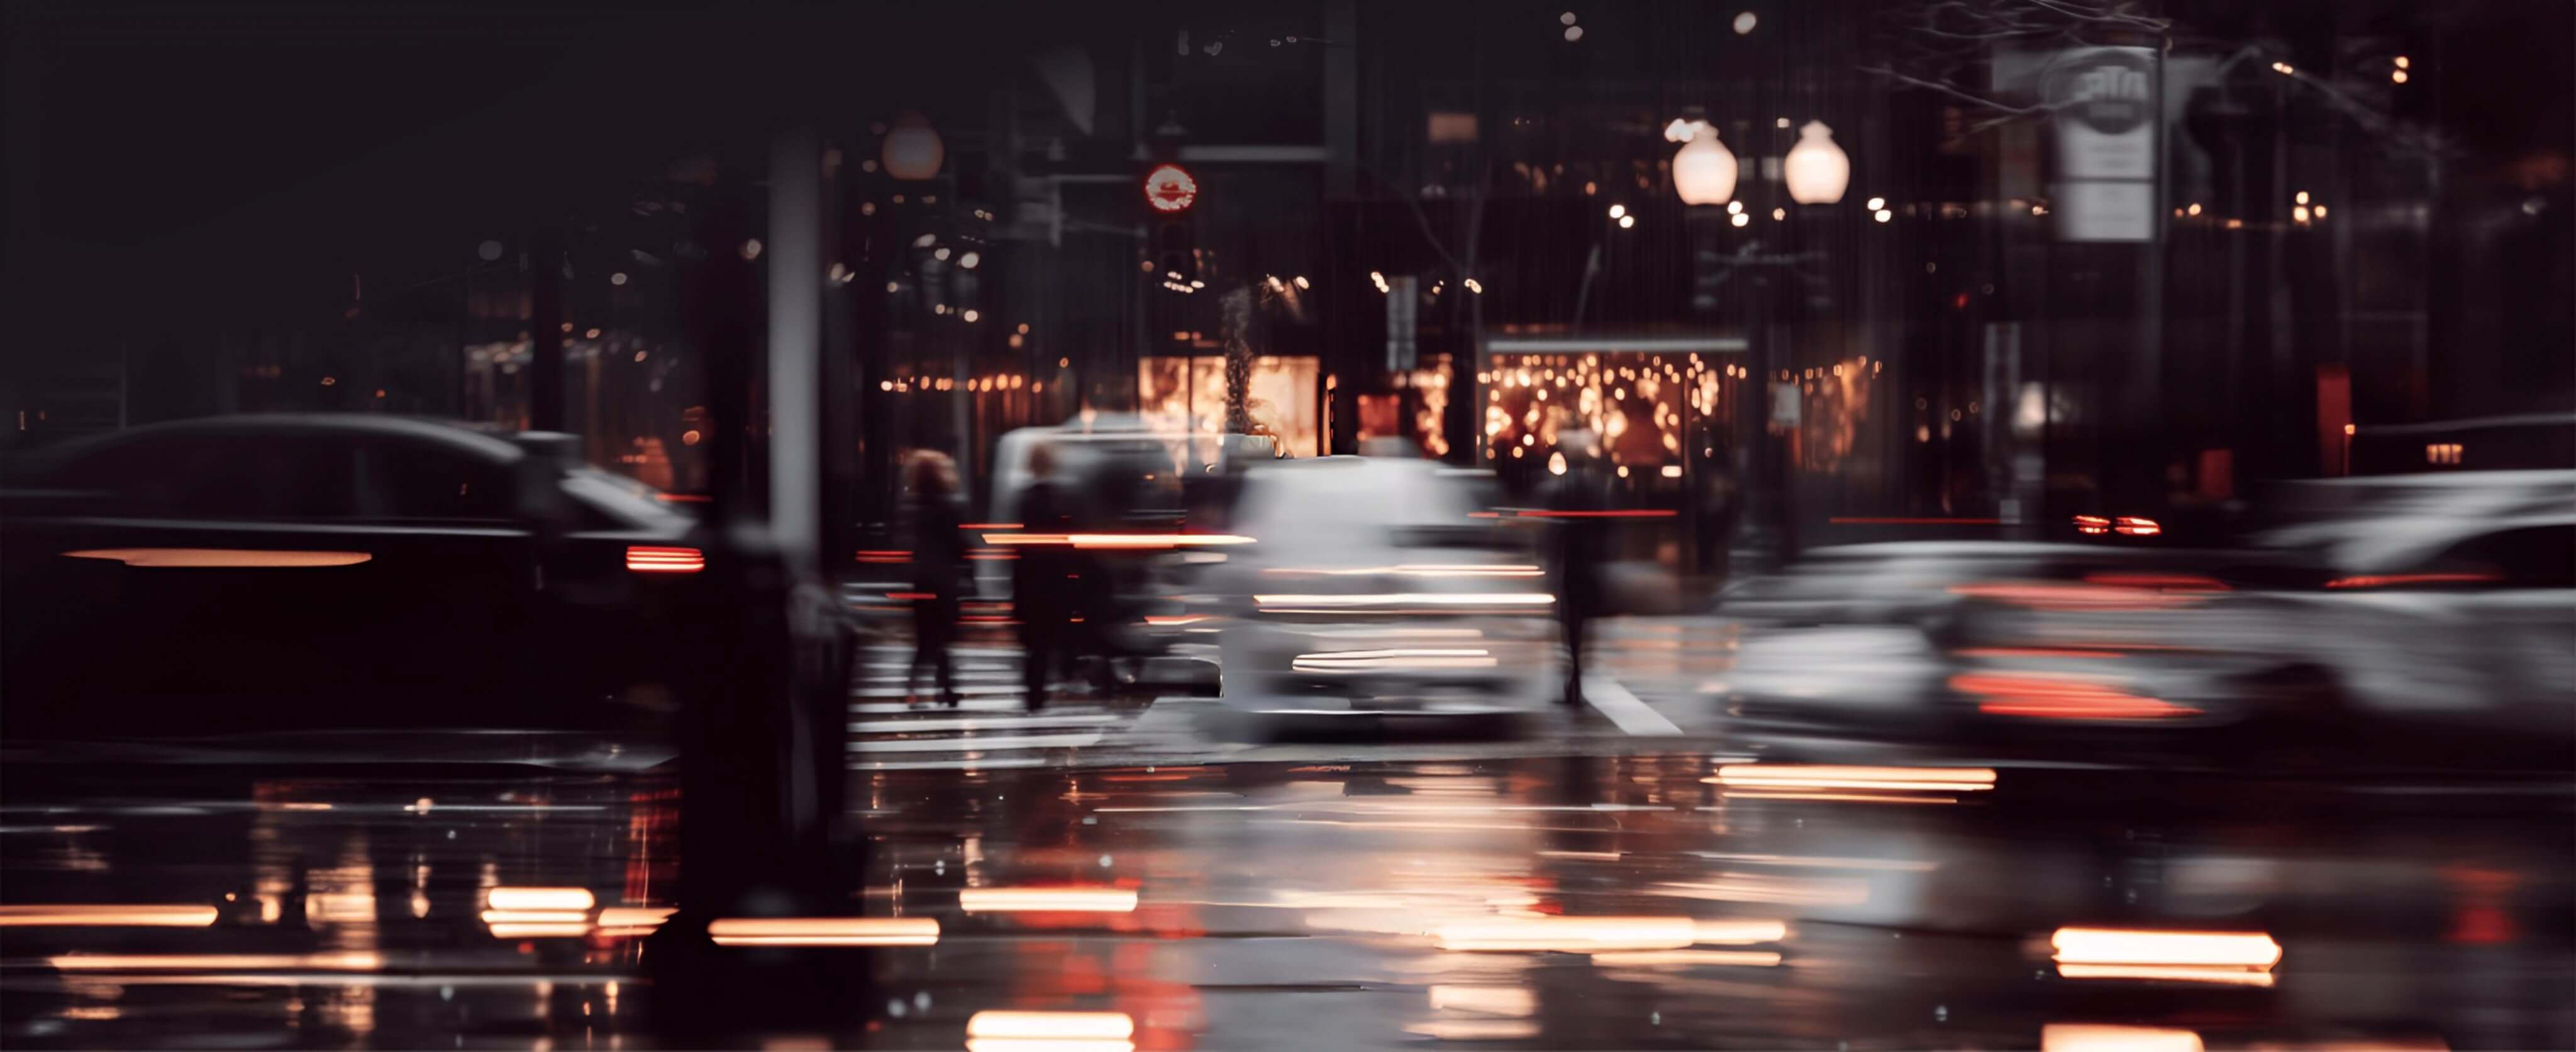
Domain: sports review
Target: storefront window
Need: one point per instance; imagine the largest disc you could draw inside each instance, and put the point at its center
(1185, 398)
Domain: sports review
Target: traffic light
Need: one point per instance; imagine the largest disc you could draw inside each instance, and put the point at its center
(1169, 191)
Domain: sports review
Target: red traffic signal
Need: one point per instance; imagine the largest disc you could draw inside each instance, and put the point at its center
(1169, 188)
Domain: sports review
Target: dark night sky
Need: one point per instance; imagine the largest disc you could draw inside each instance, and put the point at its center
(247, 135)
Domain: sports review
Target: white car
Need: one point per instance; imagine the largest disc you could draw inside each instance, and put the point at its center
(1372, 593)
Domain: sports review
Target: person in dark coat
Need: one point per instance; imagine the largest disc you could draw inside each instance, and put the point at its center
(938, 567)
(1578, 548)
(1041, 588)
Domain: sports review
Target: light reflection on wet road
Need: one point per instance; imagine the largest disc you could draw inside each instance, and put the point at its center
(1637, 900)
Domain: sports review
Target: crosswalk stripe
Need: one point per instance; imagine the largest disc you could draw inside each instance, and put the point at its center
(984, 724)
(886, 708)
(1623, 708)
(928, 690)
(995, 743)
(946, 765)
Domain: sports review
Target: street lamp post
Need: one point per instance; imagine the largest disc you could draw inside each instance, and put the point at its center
(1815, 171)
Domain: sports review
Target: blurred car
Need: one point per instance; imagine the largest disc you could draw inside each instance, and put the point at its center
(1908, 582)
(1371, 594)
(2447, 647)
(345, 572)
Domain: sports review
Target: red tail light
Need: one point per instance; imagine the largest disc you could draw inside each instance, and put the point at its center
(2092, 524)
(648, 559)
(2138, 526)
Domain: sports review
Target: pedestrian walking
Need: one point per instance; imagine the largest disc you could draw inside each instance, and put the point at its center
(1041, 581)
(938, 570)
(1578, 548)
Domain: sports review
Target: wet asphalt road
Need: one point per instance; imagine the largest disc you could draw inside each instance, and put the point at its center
(1191, 893)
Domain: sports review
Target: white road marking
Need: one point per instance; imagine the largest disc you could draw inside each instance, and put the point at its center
(1623, 708)
(888, 708)
(940, 765)
(999, 742)
(983, 724)
(928, 690)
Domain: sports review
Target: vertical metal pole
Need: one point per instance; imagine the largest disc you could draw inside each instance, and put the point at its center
(795, 250)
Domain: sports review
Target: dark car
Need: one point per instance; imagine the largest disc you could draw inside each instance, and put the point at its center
(339, 572)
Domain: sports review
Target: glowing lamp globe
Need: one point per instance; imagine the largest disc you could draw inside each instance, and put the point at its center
(1816, 169)
(1704, 170)
(912, 148)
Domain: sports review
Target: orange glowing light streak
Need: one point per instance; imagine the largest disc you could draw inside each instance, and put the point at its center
(2136, 526)
(2167, 973)
(1736, 932)
(656, 559)
(1039, 1026)
(536, 917)
(907, 596)
(2053, 697)
(1819, 776)
(2088, 1037)
(2199, 949)
(632, 921)
(2058, 596)
(1160, 620)
(2385, 580)
(107, 916)
(356, 961)
(540, 931)
(1568, 934)
(1688, 958)
(1047, 900)
(220, 558)
(683, 498)
(510, 898)
(824, 931)
(1856, 798)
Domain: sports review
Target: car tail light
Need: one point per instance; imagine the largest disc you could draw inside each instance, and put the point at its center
(648, 559)
(2092, 524)
(2137, 526)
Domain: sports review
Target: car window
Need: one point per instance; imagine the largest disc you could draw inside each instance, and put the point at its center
(226, 478)
(409, 481)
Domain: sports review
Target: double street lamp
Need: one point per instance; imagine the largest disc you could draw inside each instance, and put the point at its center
(1816, 169)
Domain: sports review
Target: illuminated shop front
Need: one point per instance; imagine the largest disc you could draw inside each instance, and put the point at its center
(1655, 408)
(1186, 396)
